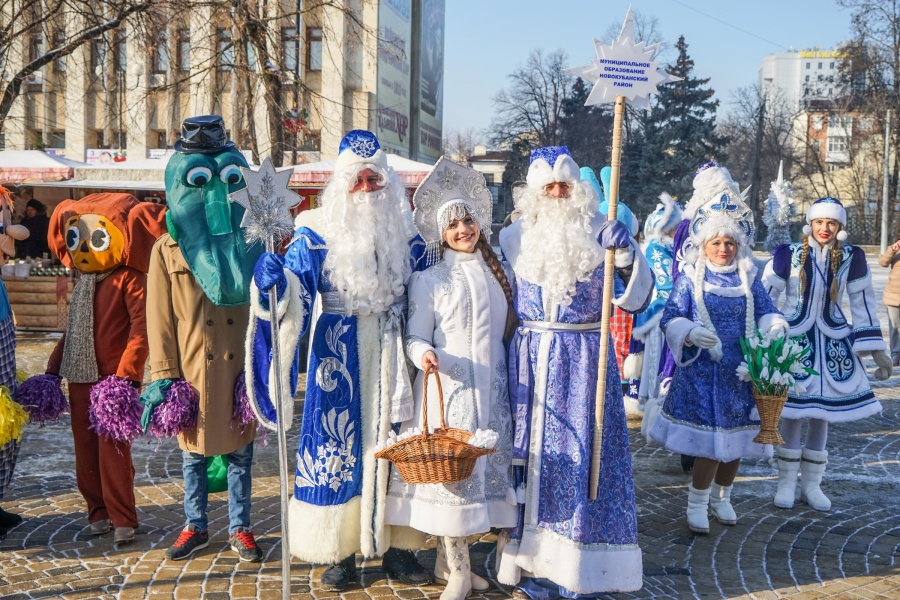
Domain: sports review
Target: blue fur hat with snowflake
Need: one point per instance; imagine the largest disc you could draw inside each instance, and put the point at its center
(827, 208)
(360, 147)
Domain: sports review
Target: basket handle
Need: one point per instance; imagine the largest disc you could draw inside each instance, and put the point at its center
(437, 379)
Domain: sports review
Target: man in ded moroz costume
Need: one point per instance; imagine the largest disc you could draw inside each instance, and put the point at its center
(354, 255)
(567, 545)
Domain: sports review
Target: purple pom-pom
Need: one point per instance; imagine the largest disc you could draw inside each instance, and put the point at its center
(115, 410)
(42, 397)
(241, 413)
(178, 412)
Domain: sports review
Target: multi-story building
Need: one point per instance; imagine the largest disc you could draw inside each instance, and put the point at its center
(801, 76)
(369, 64)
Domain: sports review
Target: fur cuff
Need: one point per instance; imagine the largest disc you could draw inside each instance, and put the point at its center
(291, 296)
(676, 335)
(640, 285)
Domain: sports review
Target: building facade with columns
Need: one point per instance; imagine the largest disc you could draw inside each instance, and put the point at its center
(369, 64)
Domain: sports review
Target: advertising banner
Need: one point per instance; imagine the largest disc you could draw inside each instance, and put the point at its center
(431, 99)
(394, 33)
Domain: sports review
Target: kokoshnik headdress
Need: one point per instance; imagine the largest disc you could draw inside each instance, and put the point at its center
(450, 192)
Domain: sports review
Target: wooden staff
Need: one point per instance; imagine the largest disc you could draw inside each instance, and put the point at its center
(609, 264)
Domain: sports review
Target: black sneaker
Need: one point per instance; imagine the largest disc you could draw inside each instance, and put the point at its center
(9, 520)
(243, 543)
(189, 541)
(337, 577)
(403, 566)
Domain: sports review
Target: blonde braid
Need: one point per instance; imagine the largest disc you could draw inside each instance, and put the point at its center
(802, 274)
(835, 263)
(491, 260)
(699, 274)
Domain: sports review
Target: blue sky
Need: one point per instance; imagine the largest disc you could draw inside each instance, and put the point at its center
(487, 39)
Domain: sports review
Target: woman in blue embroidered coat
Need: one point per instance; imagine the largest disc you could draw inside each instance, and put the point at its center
(814, 275)
(709, 412)
(660, 253)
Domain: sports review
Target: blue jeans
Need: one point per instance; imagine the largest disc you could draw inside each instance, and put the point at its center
(196, 496)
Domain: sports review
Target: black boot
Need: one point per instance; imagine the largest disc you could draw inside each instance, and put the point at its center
(337, 577)
(403, 566)
(8, 520)
(687, 463)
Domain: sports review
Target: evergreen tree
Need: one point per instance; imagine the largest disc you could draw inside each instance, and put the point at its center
(677, 135)
(586, 130)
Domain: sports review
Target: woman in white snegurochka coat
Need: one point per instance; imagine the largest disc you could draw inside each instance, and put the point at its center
(460, 316)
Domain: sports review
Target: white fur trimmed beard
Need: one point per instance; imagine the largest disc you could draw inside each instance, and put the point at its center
(558, 248)
(368, 237)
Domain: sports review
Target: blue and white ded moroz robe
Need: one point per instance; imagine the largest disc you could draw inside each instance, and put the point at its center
(841, 391)
(357, 386)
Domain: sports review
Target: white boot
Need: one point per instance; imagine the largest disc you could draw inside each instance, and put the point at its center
(812, 467)
(442, 571)
(720, 504)
(698, 510)
(459, 580)
(788, 468)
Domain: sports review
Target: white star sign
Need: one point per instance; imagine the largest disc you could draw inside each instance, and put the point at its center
(623, 68)
(267, 201)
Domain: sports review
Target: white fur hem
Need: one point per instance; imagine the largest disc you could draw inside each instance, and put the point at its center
(324, 535)
(632, 407)
(649, 326)
(640, 285)
(871, 345)
(721, 445)
(624, 257)
(581, 568)
(677, 331)
(833, 416)
(291, 313)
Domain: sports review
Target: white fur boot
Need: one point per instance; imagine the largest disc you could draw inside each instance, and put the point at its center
(459, 580)
(812, 467)
(788, 469)
(720, 504)
(442, 571)
(698, 510)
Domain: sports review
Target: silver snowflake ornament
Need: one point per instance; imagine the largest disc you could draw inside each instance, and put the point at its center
(267, 202)
(623, 68)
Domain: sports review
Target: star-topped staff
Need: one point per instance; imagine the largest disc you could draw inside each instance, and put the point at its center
(622, 71)
(267, 219)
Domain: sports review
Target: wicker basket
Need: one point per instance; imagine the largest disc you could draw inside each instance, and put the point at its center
(439, 457)
(769, 408)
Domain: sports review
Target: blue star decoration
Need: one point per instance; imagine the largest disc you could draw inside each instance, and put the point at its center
(267, 202)
(623, 68)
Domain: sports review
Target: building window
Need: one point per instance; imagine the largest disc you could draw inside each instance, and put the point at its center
(162, 140)
(251, 56)
(225, 49)
(120, 51)
(807, 65)
(98, 57)
(831, 66)
(820, 65)
(488, 178)
(807, 78)
(313, 49)
(184, 50)
(36, 47)
(59, 39)
(161, 55)
(837, 143)
(817, 122)
(289, 46)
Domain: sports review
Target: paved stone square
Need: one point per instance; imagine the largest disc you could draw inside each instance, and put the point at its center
(850, 552)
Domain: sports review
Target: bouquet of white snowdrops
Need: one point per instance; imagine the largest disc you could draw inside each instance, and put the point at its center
(771, 363)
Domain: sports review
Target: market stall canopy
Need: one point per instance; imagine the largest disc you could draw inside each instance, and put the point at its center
(411, 172)
(33, 166)
(133, 171)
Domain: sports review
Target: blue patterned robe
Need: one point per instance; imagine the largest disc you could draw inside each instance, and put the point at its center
(357, 386)
(9, 451)
(841, 392)
(581, 545)
(708, 411)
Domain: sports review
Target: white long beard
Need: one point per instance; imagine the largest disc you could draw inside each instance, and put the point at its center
(558, 249)
(368, 253)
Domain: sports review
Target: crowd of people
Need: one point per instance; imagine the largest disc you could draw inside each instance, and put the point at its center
(390, 295)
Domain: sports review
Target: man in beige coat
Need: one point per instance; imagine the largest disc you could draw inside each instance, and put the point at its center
(197, 313)
(891, 259)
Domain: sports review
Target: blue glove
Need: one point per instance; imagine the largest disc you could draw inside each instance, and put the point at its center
(153, 396)
(614, 234)
(269, 273)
